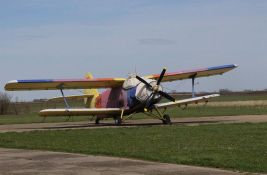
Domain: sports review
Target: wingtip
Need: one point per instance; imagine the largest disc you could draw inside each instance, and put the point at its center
(8, 85)
(12, 81)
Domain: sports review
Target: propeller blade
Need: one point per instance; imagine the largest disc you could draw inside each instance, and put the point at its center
(143, 81)
(161, 76)
(166, 96)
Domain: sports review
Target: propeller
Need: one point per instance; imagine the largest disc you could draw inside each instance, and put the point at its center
(155, 89)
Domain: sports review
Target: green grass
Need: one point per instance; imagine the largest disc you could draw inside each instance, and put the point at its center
(240, 98)
(241, 147)
(191, 111)
(202, 111)
(205, 111)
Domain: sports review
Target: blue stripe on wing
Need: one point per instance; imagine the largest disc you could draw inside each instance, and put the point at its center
(36, 81)
(223, 67)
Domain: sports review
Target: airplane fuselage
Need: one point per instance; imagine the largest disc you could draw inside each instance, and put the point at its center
(133, 98)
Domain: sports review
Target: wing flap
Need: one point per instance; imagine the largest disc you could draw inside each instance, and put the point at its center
(50, 84)
(205, 72)
(186, 101)
(80, 112)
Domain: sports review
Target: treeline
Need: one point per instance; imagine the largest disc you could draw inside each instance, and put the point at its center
(244, 92)
(5, 101)
(16, 107)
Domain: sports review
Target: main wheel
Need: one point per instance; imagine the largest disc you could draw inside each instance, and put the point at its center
(118, 121)
(97, 121)
(166, 120)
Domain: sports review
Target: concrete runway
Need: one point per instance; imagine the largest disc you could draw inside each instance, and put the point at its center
(27, 162)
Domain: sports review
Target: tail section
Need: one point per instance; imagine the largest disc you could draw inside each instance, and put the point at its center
(90, 101)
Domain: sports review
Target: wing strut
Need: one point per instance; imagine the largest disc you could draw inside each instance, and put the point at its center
(65, 100)
(193, 85)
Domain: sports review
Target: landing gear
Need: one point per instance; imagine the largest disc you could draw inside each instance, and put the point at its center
(160, 115)
(118, 121)
(97, 121)
(166, 120)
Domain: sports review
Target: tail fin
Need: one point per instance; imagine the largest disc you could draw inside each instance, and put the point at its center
(90, 102)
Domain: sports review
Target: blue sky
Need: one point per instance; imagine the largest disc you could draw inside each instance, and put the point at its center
(112, 38)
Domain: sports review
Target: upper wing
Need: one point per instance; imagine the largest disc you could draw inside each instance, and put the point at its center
(186, 101)
(194, 73)
(81, 112)
(51, 84)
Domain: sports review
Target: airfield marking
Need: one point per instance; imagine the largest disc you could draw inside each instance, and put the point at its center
(14, 161)
(194, 121)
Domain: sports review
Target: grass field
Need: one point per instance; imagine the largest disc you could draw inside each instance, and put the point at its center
(239, 147)
(235, 97)
(240, 98)
(231, 146)
(192, 111)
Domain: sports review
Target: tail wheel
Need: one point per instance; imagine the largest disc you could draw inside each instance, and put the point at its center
(166, 120)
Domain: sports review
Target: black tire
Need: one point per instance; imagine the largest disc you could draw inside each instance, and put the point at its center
(166, 120)
(118, 121)
(97, 121)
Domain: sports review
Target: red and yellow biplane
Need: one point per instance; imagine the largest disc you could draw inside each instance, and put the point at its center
(122, 97)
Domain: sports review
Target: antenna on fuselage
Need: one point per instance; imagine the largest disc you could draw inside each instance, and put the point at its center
(133, 75)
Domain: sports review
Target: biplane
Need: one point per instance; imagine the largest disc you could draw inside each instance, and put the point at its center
(122, 97)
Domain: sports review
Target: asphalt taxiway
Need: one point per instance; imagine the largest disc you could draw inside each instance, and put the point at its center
(132, 123)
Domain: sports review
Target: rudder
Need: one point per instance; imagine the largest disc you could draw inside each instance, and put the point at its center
(90, 102)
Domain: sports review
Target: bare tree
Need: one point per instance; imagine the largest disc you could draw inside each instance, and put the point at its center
(5, 101)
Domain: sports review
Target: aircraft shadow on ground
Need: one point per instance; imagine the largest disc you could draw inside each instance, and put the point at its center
(107, 125)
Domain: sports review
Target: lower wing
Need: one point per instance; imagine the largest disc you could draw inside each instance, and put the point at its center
(81, 112)
(186, 101)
